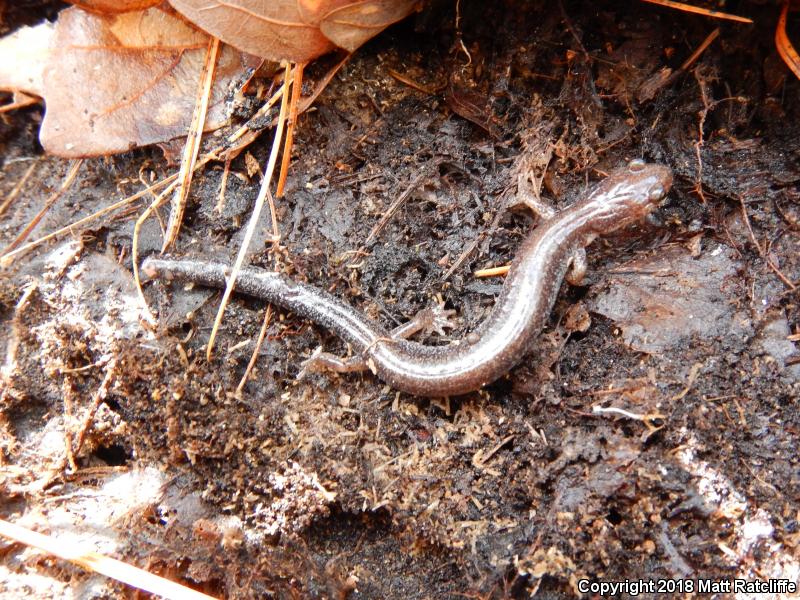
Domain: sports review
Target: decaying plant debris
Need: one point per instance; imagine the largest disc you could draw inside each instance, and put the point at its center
(652, 434)
(137, 72)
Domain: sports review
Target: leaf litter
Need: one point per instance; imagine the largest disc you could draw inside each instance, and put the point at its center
(91, 110)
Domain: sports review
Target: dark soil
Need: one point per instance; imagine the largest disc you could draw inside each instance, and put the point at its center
(337, 486)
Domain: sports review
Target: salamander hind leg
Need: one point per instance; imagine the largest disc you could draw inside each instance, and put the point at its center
(320, 361)
(434, 319)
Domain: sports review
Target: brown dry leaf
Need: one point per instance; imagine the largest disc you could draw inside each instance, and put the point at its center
(114, 6)
(350, 26)
(273, 29)
(296, 30)
(114, 82)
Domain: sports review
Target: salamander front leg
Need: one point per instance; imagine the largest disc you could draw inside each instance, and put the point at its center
(434, 319)
(577, 267)
(430, 320)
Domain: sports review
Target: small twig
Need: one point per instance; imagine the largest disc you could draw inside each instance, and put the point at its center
(693, 372)
(411, 83)
(492, 271)
(698, 52)
(391, 461)
(688, 62)
(245, 135)
(568, 23)
(99, 396)
(610, 391)
(20, 100)
(158, 201)
(458, 35)
(473, 245)
(677, 560)
(323, 83)
(698, 145)
(602, 410)
(396, 205)
(479, 460)
(223, 185)
(463, 257)
(246, 128)
(764, 255)
(649, 419)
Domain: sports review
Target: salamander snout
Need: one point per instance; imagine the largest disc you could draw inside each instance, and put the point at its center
(627, 196)
(652, 181)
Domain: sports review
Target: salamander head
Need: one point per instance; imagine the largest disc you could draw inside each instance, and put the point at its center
(628, 196)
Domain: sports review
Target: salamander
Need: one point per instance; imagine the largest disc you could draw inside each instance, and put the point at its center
(552, 251)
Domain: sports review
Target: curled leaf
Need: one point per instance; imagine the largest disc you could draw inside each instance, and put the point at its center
(273, 29)
(114, 6)
(296, 30)
(352, 25)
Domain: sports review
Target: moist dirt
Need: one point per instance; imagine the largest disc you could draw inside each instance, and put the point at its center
(651, 434)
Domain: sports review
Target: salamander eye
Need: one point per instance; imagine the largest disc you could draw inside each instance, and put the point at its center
(655, 193)
(636, 165)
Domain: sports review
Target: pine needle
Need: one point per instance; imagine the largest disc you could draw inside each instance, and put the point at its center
(263, 195)
(784, 45)
(99, 563)
(26, 231)
(254, 357)
(192, 147)
(297, 91)
(6, 259)
(700, 11)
